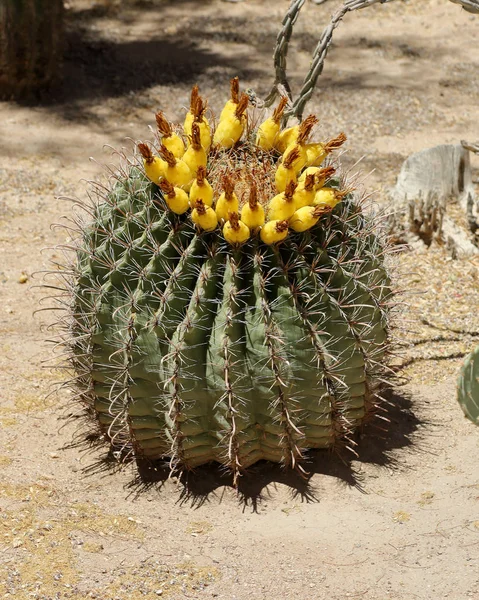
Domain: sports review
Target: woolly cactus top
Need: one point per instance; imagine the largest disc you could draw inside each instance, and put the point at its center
(241, 180)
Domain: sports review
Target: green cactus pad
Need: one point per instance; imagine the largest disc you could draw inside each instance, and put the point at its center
(468, 386)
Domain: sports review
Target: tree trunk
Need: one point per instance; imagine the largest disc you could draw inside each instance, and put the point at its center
(31, 46)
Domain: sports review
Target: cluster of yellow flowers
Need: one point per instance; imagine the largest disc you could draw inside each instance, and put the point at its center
(181, 171)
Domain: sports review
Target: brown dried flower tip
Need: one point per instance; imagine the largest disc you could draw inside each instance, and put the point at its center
(195, 136)
(195, 92)
(309, 182)
(335, 142)
(163, 126)
(199, 110)
(325, 173)
(305, 128)
(282, 226)
(167, 188)
(228, 186)
(292, 156)
(201, 175)
(234, 87)
(233, 218)
(242, 106)
(290, 189)
(146, 153)
(253, 196)
(167, 156)
(279, 110)
(319, 210)
(200, 206)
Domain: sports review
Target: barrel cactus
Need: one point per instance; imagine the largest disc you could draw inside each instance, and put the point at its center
(31, 46)
(230, 299)
(468, 386)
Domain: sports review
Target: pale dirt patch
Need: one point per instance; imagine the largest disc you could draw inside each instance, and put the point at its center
(401, 522)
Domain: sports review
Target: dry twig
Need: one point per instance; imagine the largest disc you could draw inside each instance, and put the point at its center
(320, 52)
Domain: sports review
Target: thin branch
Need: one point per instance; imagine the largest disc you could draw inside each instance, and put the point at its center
(317, 65)
(471, 6)
(321, 50)
(281, 51)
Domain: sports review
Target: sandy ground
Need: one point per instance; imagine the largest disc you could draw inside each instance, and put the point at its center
(400, 522)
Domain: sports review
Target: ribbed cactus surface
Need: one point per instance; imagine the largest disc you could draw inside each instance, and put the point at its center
(468, 386)
(31, 45)
(196, 348)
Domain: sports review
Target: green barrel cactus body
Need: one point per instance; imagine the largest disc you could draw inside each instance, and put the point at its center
(193, 349)
(31, 46)
(468, 386)
(229, 342)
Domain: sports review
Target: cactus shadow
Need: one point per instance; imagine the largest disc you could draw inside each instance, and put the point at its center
(378, 447)
(98, 66)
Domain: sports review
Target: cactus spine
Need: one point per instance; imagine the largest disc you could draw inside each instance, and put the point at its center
(31, 44)
(199, 345)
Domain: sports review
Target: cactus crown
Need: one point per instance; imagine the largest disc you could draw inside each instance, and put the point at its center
(243, 165)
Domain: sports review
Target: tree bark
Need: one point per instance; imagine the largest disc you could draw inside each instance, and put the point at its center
(31, 47)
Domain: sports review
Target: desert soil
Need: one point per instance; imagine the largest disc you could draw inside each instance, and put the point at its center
(401, 521)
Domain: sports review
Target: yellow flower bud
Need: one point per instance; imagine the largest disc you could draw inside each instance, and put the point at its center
(154, 166)
(201, 189)
(204, 216)
(235, 231)
(176, 198)
(305, 218)
(282, 206)
(252, 213)
(228, 201)
(274, 231)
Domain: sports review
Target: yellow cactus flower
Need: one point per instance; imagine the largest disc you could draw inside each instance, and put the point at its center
(195, 155)
(317, 152)
(305, 218)
(304, 131)
(193, 112)
(282, 206)
(321, 175)
(228, 201)
(285, 171)
(197, 115)
(172, 141)
(232, 104)
(177, 172)
(230, 129)
(269, 130)
(154, 166)
(273, 232)
(305, 192)
(201, 189)
(176, 198)
(329, 197)
(252, 213)
(234, 230)
(204, 216)
(286, 137)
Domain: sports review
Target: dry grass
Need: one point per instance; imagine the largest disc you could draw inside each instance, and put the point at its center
(42, 537)
(441, 321)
